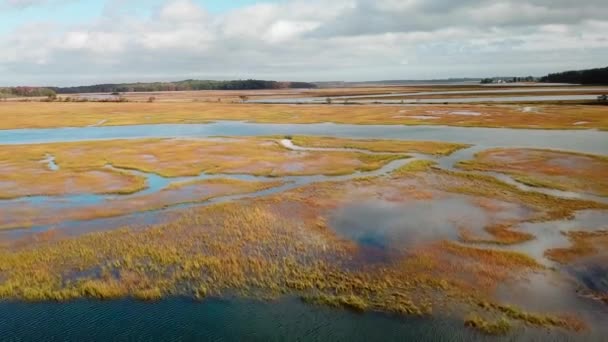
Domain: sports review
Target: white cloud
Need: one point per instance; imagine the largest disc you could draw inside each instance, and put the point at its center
(312, 40)
(283, 30)
(181, 10)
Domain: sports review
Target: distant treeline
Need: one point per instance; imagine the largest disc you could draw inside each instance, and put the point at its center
(26, 92)
(591, 76)
(183, 85)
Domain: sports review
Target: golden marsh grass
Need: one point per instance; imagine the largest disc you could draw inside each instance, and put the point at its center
(50, 114)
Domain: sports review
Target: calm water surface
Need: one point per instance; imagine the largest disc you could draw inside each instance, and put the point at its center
(590, 141)
(227, 320)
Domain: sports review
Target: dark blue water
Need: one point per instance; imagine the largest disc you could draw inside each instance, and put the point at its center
(224, 320)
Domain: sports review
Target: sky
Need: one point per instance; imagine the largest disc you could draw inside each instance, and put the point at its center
(76, 42)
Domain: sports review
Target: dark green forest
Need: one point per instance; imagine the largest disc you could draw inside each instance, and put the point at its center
(155, 86)
(590, 76)
(183, 85)
(26, 92)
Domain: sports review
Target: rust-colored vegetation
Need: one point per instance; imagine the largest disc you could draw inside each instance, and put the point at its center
(267, 247)
(499, 327)
(495, 257)
(546, 207)
(23, 215)
(183, 157)
(24, 171)
(545, 168)
(584, 244)
(83, 165)
(502, 234)
(377, 145)
(51, 114)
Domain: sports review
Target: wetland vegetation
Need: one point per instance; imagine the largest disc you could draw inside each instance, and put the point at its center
(405, 228)
(262, 170)
(547, 116)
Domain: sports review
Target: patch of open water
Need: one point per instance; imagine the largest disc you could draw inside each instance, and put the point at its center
(589, 141)
(180, 319)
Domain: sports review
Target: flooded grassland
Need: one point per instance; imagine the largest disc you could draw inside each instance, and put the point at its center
(564, 171)
(363, 225)
(170, 172)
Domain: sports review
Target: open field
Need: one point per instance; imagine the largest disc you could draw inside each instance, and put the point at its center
(548, 169)
(46, 115)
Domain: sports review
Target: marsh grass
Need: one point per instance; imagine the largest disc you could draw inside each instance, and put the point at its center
(584, 244)
(275, 246)
(255, 251)
(559, 170)
(183, 157)
(178, 193)
(549, 207)
(503, 234)
(496, 257)
(351, 302)
(23, 172)
(380, 145)
(540, 320)
(415, 166)
(498, 327)
(56, 114)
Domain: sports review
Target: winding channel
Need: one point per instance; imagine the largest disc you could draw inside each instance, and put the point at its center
(588, 141)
